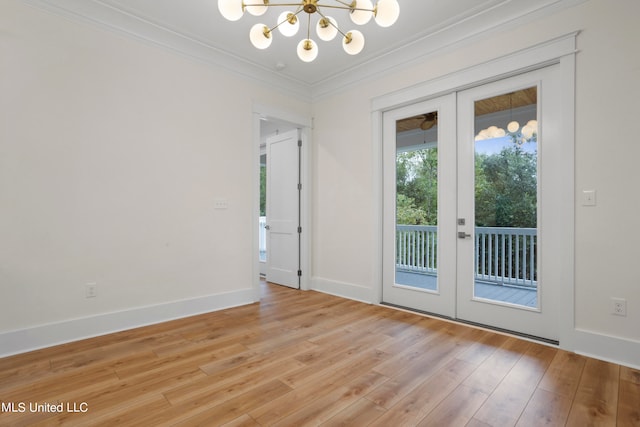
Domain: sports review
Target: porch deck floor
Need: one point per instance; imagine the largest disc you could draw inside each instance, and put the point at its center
(483, 289)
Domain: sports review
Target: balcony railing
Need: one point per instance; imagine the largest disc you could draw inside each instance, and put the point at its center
(503, 255)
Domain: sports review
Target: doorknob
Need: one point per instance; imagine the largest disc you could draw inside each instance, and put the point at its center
(463, 235)
(267, 227)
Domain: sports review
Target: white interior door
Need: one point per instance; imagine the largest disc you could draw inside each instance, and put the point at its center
(509, 164)
(419, 219)
(283, 209)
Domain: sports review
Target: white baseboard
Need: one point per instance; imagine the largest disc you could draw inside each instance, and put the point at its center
(618, 350)
(342, 289)
(34, 338)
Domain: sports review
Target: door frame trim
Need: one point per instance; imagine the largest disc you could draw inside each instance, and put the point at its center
(304, 124)
(561, 50)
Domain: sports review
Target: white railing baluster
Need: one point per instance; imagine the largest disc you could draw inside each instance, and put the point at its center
(262, 238)
(503, 255)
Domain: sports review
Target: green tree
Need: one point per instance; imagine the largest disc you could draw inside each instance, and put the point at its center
(506, 188)
(406, 211)
(263, 190)
(417, 181)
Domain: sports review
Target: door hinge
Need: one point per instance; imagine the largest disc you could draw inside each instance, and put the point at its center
(299, 143)
(299, 187)
(299, 230)
(299, 273)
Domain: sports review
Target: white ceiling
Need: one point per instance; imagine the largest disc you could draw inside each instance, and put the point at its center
(196, 28)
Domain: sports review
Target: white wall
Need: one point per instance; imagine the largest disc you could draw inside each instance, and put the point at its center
(112, 153)
(606, 246)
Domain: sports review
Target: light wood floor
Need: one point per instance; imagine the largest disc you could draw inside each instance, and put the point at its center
(305, 358)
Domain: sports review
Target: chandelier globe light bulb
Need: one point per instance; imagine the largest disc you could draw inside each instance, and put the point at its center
(327, 28)
(307, 50)
(358, 15)
(387, 12)
(353, 42)
(513, 126)
(257, 9)
(289, 24)
(260, 36)
(527, 132)
(231, 10)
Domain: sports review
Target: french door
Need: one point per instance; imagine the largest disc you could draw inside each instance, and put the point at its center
(419, 157)
(469, 198)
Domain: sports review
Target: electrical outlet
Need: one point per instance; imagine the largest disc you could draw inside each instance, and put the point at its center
(90, 290)
(619, 306)
(220, 204)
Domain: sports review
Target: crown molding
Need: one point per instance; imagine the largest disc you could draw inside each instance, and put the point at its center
(504, 15)
(507, 15)
(106, 17)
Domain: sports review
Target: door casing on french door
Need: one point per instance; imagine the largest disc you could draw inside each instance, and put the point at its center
(454, 296)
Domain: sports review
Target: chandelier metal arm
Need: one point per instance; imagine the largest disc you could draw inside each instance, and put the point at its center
(330, 23)
(297, 12)
(270, 4)
(346, 6)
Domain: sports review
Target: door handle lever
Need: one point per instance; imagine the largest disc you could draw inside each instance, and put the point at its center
(463, 235)
(267, 227)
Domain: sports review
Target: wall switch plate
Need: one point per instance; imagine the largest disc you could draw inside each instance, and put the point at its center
(619, 306)
(589, 198)
(91, 290)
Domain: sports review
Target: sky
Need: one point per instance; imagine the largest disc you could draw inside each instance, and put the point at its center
(494, 145)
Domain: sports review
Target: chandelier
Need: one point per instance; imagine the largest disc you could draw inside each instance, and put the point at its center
(385, 13)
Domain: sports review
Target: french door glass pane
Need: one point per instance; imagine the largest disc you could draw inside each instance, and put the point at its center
(506, 198)
(417, 202)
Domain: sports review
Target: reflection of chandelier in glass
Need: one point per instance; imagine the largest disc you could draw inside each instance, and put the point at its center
(385, 13)
(527, 133)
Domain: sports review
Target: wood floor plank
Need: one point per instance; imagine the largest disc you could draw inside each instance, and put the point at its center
(326, 383)
(563, 376)
(362, 413)
(307, 358)
(331, 361)
(405, 376)
(629, 398)
(546, 409)
(421, 400)
(509, 399)
(457, 409)
(205, 413)
(242, 421)
(325, 407)
(214, 387)
(494, 368)
(596, 399)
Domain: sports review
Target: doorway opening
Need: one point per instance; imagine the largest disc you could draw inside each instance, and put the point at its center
(280, 178)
